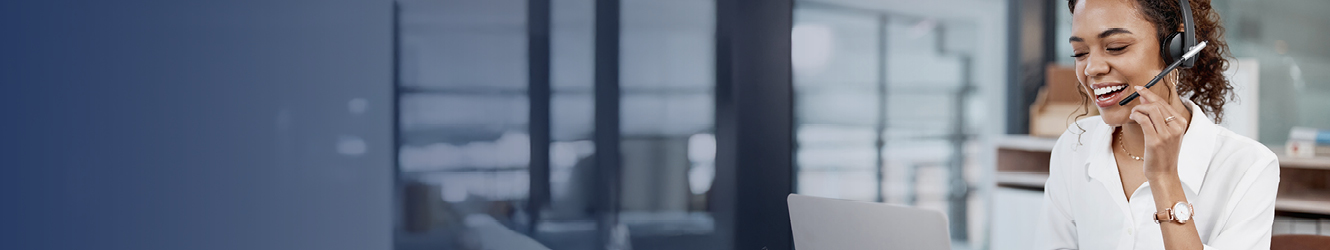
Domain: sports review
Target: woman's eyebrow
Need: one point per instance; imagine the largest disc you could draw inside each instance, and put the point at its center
(1113, 31)
(1106, 33)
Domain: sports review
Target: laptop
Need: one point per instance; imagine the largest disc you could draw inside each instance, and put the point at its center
(833, 224)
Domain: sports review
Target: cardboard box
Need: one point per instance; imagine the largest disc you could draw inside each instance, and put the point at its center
(1059, 102)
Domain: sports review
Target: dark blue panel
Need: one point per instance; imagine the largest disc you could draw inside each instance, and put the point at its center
(195, 124)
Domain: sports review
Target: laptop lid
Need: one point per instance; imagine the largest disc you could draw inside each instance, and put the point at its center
(834, 224)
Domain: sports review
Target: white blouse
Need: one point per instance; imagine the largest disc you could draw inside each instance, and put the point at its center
(1230, 180)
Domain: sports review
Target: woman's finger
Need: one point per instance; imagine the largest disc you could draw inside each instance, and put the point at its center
(1179, 121)
(1149, 107)
(1161, 113)
(1146, 109)
(1147, 96)
(1147, 126)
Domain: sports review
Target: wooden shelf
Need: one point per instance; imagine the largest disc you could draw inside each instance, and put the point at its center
(1023, 180)
(1027, 143)
(1286, 161)
(1303, 205)
(1022, 153)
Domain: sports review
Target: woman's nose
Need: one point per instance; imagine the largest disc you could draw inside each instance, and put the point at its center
(1095, 67)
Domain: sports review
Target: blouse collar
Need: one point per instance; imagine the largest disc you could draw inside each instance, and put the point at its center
(1194, 155)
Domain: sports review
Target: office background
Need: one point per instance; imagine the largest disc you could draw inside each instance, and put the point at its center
(546, 124)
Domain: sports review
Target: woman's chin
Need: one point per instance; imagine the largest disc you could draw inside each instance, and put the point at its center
(1115, 120)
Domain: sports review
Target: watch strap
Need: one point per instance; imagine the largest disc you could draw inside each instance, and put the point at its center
(1166, 215)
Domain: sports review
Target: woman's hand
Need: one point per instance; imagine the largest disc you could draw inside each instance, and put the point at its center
(1163, 128)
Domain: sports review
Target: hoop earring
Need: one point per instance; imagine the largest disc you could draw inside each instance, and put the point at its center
(1176, 80)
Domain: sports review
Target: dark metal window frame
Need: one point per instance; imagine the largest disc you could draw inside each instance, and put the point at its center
(754, 165)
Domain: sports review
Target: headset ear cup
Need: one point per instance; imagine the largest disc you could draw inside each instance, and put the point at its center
(1173, 49)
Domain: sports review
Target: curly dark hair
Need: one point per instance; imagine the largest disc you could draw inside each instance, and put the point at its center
(1204, 83)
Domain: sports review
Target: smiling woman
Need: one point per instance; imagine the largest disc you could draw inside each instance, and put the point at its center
(1132, 177)
(1203, 84)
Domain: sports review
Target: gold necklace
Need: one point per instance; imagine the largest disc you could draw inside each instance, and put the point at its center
(1123, 145)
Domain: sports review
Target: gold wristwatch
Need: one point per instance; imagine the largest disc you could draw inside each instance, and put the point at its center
(1180, 213)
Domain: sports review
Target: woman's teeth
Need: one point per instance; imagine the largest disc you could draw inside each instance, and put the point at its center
(1108, 89)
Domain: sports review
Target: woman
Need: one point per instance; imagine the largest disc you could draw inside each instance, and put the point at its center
(1132, 177)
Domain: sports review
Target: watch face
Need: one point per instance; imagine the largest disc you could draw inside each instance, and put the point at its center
(1181, 211)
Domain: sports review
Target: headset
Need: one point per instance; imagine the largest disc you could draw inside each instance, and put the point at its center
(1176, 44)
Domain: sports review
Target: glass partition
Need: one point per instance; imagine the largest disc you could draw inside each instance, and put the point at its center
(667, 84)
(887, 108)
